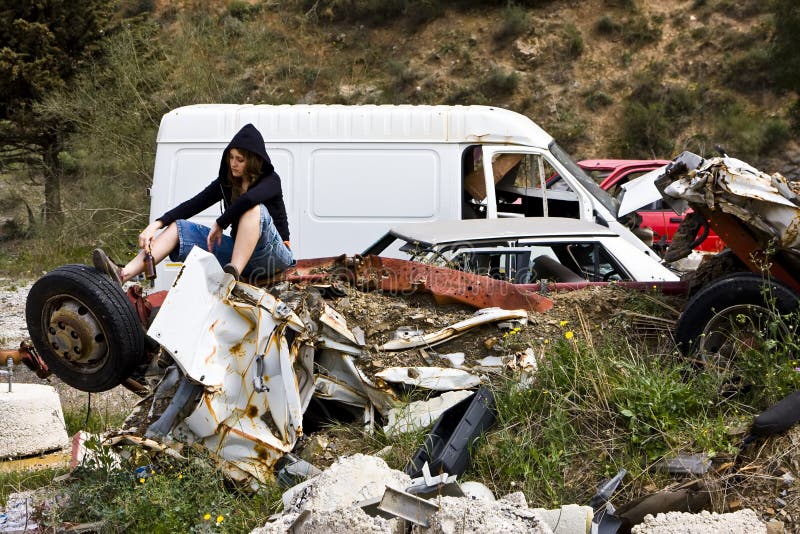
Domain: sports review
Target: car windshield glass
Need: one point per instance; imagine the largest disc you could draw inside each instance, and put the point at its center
(610, 203)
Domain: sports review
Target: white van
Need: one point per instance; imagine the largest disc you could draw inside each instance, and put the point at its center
(350, 172)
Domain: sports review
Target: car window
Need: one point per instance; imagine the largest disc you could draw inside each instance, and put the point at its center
(529, 263)
(658, 205)
(518, 179)
(592, 260)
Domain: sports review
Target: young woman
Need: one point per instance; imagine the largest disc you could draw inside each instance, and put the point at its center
(252, 203)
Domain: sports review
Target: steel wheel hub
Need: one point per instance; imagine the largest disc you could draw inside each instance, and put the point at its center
(74, 333)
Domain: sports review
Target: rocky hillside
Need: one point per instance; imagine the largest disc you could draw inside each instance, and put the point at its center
(621, 78)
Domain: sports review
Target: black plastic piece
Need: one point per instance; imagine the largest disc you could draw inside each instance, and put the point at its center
(778, 418)
(446, 448)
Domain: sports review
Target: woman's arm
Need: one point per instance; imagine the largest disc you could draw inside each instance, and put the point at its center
(189, 208)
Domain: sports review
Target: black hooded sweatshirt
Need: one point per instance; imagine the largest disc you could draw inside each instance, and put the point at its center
(265, 190)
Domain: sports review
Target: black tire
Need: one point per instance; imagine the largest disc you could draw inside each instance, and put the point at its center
(734, 290)
(84, 327)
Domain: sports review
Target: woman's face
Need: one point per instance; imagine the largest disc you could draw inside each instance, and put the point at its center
(236, 162)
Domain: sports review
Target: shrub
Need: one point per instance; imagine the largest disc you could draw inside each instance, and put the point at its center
(606, 25)
(240, 9)
(748, 135)
(596, 99)
(786, 60)
(515, 22)
(750, 70)
(500, 81)
(572, 43)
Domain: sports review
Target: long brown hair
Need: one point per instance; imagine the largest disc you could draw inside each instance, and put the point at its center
(251, 174)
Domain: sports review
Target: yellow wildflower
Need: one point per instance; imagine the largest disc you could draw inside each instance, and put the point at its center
(563, 323)
(141, 480)
(568, 334)
(206, 517)
(220, 519)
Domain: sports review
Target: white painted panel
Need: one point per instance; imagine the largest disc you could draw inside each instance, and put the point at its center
(374, 183)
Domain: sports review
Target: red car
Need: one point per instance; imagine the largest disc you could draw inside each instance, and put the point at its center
(612, 173)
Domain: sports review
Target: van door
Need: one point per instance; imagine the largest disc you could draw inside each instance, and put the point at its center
(516, 185)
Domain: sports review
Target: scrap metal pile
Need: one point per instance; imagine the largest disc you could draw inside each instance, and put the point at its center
(750, 209)
(248, 364)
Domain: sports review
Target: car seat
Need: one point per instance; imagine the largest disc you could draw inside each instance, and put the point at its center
(547, 267)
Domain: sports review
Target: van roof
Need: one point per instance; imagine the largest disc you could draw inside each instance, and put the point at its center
(217, 123)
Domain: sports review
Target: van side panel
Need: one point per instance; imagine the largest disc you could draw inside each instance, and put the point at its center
(353, 193)
(381, 183)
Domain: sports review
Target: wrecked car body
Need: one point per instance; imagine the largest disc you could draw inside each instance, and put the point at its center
(533, 253)
(758, 216)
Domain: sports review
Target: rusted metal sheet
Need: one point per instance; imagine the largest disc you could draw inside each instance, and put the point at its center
(395, 275)
(746, 247)
(232, 342)
(484, 316)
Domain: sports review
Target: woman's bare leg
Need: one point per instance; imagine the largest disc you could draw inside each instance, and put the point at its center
(160, 247)
(246, 237)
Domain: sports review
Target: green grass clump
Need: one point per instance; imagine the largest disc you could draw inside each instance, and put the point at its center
(597, 99)
(572, 41)
(600, 405)
(100, 419)
(165, 496)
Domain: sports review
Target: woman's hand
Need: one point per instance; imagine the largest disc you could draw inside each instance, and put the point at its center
(148, 234)
(214, 237)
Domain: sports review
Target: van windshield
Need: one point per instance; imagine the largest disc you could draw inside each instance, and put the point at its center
(609, 202)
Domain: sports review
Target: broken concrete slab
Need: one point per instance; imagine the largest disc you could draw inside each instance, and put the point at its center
(568, 519)
(456, 515)
(352, 519)
(744, 520)
(33, 422)
(351, 479)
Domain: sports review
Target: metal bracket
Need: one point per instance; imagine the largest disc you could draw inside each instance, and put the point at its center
(258, 380)
(9, 372)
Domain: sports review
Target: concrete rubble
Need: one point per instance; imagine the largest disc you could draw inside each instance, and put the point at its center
(703, 523)
(335, 501)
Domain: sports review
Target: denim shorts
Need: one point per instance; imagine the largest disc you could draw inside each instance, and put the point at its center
(270, 255)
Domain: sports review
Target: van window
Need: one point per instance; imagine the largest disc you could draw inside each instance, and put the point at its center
(518, 188)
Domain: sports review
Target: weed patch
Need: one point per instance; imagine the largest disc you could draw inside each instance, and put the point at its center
(149, 495)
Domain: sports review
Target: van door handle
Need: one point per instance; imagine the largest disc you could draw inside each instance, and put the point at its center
(675, 219)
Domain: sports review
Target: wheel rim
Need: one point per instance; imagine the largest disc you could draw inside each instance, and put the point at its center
(731, 338)
(74, 335)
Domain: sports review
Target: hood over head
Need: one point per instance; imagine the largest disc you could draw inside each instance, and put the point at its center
(250, 139)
